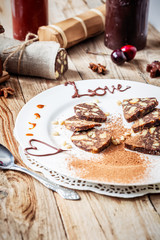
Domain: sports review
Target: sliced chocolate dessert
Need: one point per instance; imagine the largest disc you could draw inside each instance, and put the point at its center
(150, 120)
(135, 108)
(75, 124)
(147, 141)
(94, 140)
(90, 112)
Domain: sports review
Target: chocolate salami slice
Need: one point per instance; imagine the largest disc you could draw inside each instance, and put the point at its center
(75, 124)
(61, 63)
(94, 140)
(147, 141)
(138, 107)
(150, 120)
(90, 112)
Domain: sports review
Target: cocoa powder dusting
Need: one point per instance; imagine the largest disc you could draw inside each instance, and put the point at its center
(117, 129)
(115, 164)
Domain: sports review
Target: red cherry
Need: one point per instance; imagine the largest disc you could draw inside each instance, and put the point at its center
(129, 51)
(118, 57)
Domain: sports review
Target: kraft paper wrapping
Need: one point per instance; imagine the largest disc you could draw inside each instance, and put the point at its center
(74, 30)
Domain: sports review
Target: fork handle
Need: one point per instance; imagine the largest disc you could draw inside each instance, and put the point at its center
(63, 192)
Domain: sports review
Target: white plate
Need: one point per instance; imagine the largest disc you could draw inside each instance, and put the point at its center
(58, 105)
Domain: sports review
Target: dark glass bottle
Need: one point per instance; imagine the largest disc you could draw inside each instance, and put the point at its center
(126, 23)
(27, 16)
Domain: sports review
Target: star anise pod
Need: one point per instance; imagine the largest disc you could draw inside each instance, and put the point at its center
(6, 91)
(101, 69)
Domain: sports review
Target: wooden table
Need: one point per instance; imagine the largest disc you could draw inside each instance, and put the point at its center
(28, 210)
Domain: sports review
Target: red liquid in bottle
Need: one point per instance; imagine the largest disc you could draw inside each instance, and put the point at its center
(126, 23)
(27, 16)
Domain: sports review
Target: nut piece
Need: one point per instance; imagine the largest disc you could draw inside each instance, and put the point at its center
(95, 101)
(56, 134)
(119, 103)
(152, 130)
(132, 110)
(134, 100)
(107, 114)
(55, 122)
(64, 143)
(62, 68)
(116, 141)
(128, 133)
(59, 61)
(57, 74)
(68, 146)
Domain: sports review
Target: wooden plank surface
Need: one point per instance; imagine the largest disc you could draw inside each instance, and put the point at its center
(28, 210)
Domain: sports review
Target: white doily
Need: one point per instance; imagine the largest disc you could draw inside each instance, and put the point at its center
(105, 189)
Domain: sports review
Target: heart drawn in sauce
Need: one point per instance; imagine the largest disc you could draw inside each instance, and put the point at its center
(58, 150)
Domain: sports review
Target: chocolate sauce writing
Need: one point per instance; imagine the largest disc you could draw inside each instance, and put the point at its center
(99, 91)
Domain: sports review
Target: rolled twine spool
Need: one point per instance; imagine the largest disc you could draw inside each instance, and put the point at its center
(74, 30)
(39, 59)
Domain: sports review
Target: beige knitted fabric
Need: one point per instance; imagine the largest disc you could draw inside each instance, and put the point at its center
(38, 58)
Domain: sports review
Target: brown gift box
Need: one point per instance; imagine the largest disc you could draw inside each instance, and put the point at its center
(74, 30)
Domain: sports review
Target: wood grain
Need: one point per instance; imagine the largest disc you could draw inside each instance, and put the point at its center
(28, 210)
